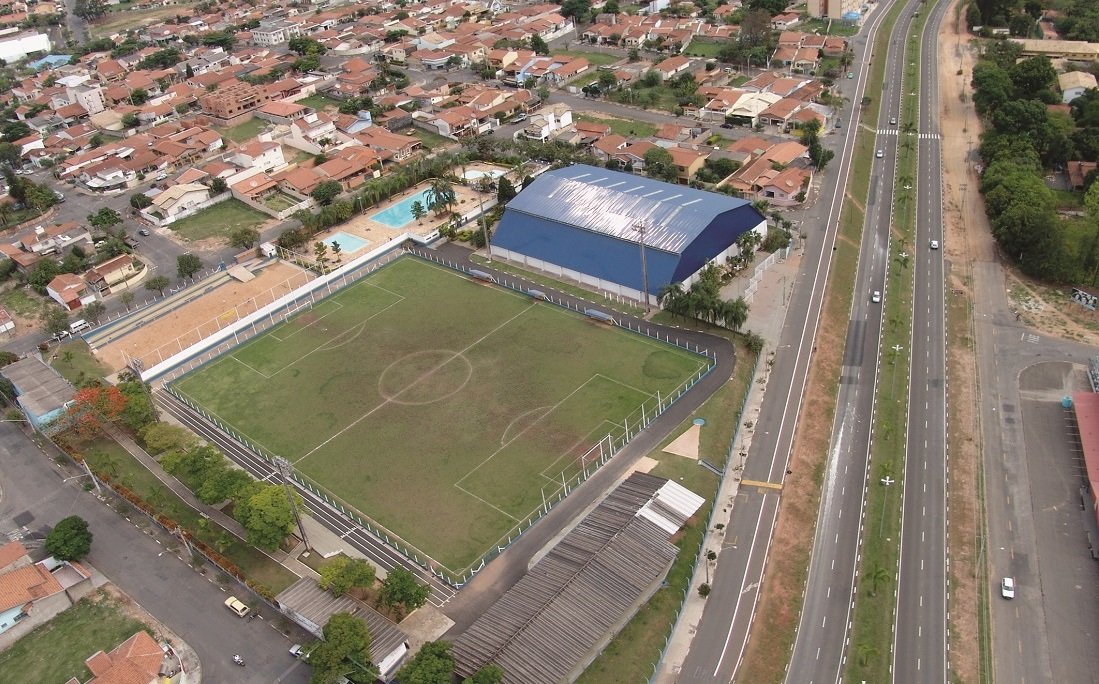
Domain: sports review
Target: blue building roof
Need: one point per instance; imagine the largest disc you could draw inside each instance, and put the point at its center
(51, 62)
(582, 217)
(613, 203)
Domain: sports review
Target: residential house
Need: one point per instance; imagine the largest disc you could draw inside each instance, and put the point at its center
(388, 145)
(783, 189)
(266, 156)
(1074, 84)
(32, 593)
(56, 238)
(1078, 173)
(781, 22)
(138, 660)
(275, 32)
(112, 272)
(70, 291)
(280, 112)
(687, 163)
(313, 133)
(672, 67)
(177, 201)
(547, 122)
(351, 166)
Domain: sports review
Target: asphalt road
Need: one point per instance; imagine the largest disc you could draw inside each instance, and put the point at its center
(33, 497)
(723, 632)
(820, 646)
(920, 628)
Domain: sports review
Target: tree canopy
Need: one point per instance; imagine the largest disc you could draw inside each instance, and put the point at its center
(344, 651)
(433, 664)
(70, 539)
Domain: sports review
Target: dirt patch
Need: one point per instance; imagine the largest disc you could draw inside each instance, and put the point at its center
(201, 317)
(967, 239)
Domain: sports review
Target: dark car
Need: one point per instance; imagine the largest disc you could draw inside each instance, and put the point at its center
(727, 125)
(144, 232)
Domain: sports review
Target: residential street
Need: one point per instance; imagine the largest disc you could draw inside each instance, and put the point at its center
(32, 498)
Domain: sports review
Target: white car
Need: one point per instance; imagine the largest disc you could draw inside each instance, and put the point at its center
(875, 297)
(237, 606)
(880, 154)
(892, 121)
(934, 244)
(1007, 587)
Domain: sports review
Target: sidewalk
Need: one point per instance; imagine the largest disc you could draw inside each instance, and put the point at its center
(765, 317)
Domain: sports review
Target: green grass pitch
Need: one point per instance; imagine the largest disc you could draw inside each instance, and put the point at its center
(438, 406)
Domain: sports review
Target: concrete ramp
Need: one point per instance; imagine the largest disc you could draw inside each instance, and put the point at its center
(241, 273)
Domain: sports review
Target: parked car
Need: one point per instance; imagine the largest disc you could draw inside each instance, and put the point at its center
(850, 74)
(1007, 587)
(518, 117)
(60, 196)
(144, 232)
(298, 651)
(237, 606)
(161, 176)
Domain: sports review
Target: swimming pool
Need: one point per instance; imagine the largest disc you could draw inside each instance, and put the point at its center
(401, 213)
(349, 244)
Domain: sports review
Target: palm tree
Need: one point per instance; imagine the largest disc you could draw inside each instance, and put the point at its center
(440, 196)
(337, 252)
(734, 313)
(876, 575)
(418, 211)
(670, 298)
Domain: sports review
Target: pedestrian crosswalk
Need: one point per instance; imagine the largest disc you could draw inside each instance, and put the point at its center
(922, 136)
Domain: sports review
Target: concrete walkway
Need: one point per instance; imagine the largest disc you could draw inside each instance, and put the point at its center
(765, 318)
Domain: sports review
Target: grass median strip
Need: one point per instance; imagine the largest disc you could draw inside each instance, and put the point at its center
(875, 600)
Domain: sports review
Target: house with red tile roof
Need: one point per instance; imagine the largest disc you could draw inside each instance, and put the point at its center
(138, 660)
(70, 291)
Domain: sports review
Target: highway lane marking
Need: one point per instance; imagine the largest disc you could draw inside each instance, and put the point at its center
(761, 483)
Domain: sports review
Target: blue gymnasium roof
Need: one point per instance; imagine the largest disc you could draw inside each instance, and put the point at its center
(612, 203)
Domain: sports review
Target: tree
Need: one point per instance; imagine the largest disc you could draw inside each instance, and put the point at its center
(158, 283)
(14, 130)
(70, 539)
(187, 265)
(57, 320)
(269, 518)
(95, 311)
(106, 218)
(92, 407)
(489, 674)
(341, 574)
(876, 575)
(400, 588)
(505, 191)
(127, 298)
(140, 200)
(244, 237)
(337, 252)
(577, 10)
(43, 272)
(222, 484)
(344, 650)
(325, 193)
(433, 664)
(10, 154)
(418, 211)
(130, 120)
(320, 253)
(218, 185)
(440, 196)
(538, 45)
(162, 437)
(659, 164)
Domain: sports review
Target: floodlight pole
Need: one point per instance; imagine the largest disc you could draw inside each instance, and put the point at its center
(640, 228)
(285, 468)
(484, 226)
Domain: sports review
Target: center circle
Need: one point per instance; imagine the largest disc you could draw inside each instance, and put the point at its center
(425, 377)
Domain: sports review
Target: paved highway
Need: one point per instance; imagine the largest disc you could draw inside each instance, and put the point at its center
(920, 629)
(820, 646)
(723, 632)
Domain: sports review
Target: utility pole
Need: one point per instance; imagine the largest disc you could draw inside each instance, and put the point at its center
(484, 226)
(285, 469)
(640, 228)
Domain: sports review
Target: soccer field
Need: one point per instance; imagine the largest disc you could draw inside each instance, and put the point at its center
(440, 407)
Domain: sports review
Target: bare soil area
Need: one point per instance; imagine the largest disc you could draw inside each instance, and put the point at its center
(201, 317)
(967, 240)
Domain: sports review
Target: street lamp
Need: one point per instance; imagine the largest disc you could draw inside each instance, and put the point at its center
(285, 469)
(639, 226)
(896, 350)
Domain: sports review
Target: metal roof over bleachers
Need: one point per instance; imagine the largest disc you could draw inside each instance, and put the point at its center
(612, 203)
(552, 623)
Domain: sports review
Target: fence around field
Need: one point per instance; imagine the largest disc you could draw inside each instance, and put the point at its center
(267, 317)
(700, 552)
(572, 476)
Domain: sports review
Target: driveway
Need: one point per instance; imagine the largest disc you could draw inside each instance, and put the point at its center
(35, 496)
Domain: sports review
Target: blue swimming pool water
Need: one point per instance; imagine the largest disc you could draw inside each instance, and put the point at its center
(349, 244)
(401, 213)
